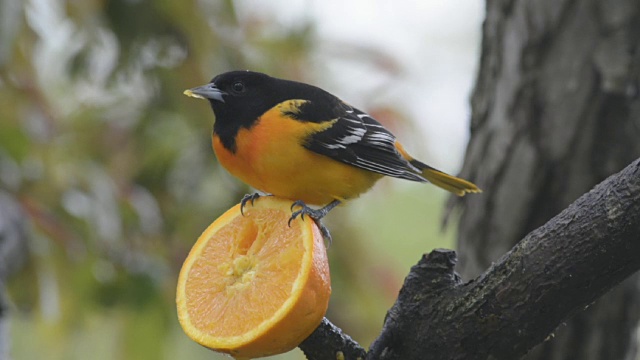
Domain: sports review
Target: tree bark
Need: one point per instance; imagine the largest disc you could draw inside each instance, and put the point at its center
(555, 272)
(329, 342)
(555, 110)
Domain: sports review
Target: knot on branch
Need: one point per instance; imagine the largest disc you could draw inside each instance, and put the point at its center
(435, 270)
(427, 280)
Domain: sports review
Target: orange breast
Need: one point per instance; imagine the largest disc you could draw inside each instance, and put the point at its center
(270, 157)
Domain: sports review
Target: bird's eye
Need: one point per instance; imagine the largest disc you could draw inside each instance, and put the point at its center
(237, 87)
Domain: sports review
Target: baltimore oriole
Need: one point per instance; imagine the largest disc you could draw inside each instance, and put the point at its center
(299, 142)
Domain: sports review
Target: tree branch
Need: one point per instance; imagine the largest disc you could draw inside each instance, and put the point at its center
(553, 273)
(329, 342)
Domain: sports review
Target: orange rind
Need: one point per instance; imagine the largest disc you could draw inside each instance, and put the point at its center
(252, 285)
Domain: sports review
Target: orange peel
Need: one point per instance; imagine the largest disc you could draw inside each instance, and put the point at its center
(253, 286)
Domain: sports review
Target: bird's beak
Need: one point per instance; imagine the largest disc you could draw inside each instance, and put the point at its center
(209, 91)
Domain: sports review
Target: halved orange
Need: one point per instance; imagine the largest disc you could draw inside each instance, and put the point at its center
(252, 285)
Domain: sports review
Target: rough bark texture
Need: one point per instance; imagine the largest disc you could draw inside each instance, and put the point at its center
(555, 110)
(329, 342)
(555, 272)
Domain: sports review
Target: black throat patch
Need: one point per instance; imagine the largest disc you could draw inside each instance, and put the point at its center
(228, 124)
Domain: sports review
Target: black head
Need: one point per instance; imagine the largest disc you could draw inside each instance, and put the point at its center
(239, 98)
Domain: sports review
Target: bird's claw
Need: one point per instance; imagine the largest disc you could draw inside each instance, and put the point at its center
(246, 199)
(305, 210)
(315, 215)
(326, 235)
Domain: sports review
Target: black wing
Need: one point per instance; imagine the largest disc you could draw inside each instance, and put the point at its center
(357, 139)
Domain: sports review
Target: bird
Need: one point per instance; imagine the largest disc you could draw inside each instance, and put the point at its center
(299, 142)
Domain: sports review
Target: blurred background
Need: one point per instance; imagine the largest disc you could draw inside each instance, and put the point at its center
(107, 176)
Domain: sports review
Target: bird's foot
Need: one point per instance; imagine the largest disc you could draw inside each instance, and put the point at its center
(315, 214)
(249, 198)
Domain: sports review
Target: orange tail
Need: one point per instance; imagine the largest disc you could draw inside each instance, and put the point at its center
(438, 178)
(448, 182)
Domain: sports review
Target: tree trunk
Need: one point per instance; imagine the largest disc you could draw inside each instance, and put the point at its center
(555, 110)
